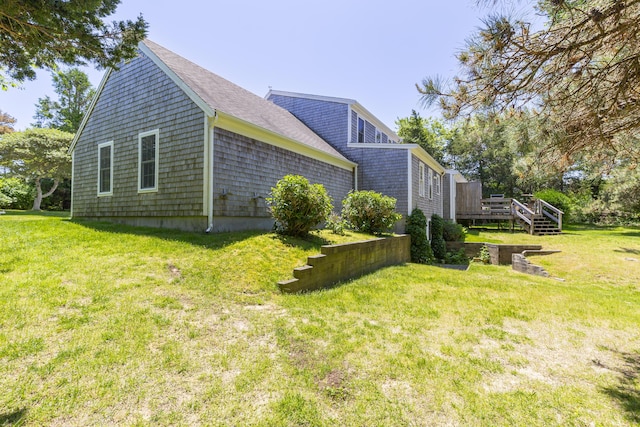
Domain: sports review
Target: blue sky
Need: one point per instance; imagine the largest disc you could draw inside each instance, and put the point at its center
(373, 51)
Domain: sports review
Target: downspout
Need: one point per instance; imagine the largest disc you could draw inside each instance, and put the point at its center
(211, 139)
(355, 178)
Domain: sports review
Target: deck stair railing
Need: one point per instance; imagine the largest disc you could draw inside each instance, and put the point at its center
(541, 218)
(554, 214)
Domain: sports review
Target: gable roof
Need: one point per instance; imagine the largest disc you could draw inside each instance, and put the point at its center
(224, 96)
(214, 94)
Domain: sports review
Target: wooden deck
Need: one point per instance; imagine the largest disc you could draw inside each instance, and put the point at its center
(538, 217)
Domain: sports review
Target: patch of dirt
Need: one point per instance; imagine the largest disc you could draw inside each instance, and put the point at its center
(557, 354)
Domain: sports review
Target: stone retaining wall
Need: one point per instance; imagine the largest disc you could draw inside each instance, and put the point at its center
(338, 263)
(501, 254)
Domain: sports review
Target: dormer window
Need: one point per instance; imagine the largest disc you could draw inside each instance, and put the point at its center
(378, 136)
(360, 130)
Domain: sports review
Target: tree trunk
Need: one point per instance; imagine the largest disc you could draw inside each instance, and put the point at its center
(39, 196)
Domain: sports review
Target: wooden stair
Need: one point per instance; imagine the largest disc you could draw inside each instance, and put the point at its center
(541, 226)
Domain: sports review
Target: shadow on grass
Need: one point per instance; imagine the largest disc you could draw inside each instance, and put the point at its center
(310, 241)
(56, 214)
(207, 240)
(628, 251)
(12, 418)
(627, 392)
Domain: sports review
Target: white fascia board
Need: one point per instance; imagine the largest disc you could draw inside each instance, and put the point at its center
(365, 114)
(457, 176)
(209, 111)
(94, 101)
(309, 96)
(420, 153)
(415, 149)
(241, 127)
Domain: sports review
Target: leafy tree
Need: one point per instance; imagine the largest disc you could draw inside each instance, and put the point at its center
(580, 70)
(429, 133)
(298, 206)
(6, 123)
(36, 154)
(41, 34)
(482, 151)
(74, 96)
(15, 193)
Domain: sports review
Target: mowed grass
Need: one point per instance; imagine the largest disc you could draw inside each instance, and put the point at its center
(103, 324)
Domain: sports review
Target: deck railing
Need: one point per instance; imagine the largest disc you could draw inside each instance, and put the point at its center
(522, 211)
(554, 214)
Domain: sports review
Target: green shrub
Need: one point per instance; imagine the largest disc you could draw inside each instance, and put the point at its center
(437, 241)
(484, 255)
(417, 228)
(5, 201)
(18, 194)
(454, 232)
(298, 206)
(558, 200)
(370, 212)
(336, 224)
(457, 257)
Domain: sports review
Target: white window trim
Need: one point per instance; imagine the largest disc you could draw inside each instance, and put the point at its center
(141, 135)
(364, 130)
(421, 176)
(100, 147)
(438, 184)
(430, 183)
(378, 136)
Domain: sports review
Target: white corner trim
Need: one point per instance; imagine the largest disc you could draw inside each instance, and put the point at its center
(409, 184)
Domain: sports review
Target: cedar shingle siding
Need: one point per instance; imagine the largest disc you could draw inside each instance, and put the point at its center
(138, 98)
(247, 169)
(255, 142)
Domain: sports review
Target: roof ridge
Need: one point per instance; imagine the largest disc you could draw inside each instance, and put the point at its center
(227, 97)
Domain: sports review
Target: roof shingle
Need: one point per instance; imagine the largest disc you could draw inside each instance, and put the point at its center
(224, 96)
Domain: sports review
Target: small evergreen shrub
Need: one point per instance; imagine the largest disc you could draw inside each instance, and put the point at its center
(336, 224)
(558, 200)
(417, 228)
(454, 232)
(370, 212)
(437, 241)
(298, 206)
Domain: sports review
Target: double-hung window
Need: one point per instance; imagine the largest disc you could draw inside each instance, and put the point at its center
(105, 169)
(438, 183)
(430, 183)
(148, 161)
(421, 180)
(360, 130)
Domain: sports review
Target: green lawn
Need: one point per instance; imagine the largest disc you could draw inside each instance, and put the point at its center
(110, 325)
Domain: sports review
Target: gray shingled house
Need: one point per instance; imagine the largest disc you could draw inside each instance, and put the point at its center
(167, 143)
(404, 171)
